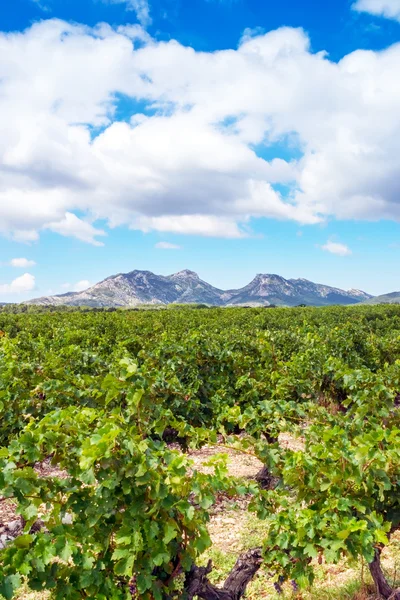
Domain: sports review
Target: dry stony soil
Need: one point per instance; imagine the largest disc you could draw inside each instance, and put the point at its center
(233, 529)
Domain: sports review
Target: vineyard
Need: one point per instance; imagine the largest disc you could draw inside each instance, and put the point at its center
(103, 414)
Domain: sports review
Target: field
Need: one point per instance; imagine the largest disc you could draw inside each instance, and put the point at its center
(210, 453)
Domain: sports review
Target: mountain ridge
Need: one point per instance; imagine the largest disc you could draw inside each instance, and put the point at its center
(186, 287)
(390, 298)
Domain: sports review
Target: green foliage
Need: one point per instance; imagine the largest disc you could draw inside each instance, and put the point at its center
(103, 393)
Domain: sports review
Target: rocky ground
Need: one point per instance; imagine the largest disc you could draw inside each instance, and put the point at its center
(233, 529)
(12, 524)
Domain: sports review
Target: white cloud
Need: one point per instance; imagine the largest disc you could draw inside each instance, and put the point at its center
(72, 226)
(22, 263)
(140, 7)
(189, 165)
(80, 286)
(26, 236)
(24, 283)
(336, 248)
(41, 5)
(167, 246)
(251, 32)
(383, 8)
(204, 225)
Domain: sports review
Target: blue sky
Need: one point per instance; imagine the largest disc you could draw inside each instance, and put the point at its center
(230, 137)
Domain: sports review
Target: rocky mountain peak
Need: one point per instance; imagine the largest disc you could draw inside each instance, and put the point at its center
(268, 278)
(137, 273)
(186, 273)
(359, 293)
(144, 287)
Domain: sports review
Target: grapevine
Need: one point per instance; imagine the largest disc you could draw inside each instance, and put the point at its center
(115, 400)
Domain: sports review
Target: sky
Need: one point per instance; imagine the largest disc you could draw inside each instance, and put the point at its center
(229, 137)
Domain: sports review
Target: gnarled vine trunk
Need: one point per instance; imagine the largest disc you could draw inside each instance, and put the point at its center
(382, 586)
(265, 479)
(246, 567)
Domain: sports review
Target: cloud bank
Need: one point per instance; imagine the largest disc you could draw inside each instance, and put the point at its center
(188, 158)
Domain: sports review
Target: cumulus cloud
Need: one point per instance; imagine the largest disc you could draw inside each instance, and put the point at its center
(72, 226)
(383, 8)
(167, 246)
(190, 162)
(336, 248)
(24, 283)
(22, 263)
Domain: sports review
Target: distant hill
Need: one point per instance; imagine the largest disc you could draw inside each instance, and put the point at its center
(392, 298)
(274, 289)
(143, 287)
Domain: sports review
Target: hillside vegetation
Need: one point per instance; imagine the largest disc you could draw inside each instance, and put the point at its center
(133, 442)
(392, 298)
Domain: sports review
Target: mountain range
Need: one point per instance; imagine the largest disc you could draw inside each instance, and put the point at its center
(392, 298)
(143, 287)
